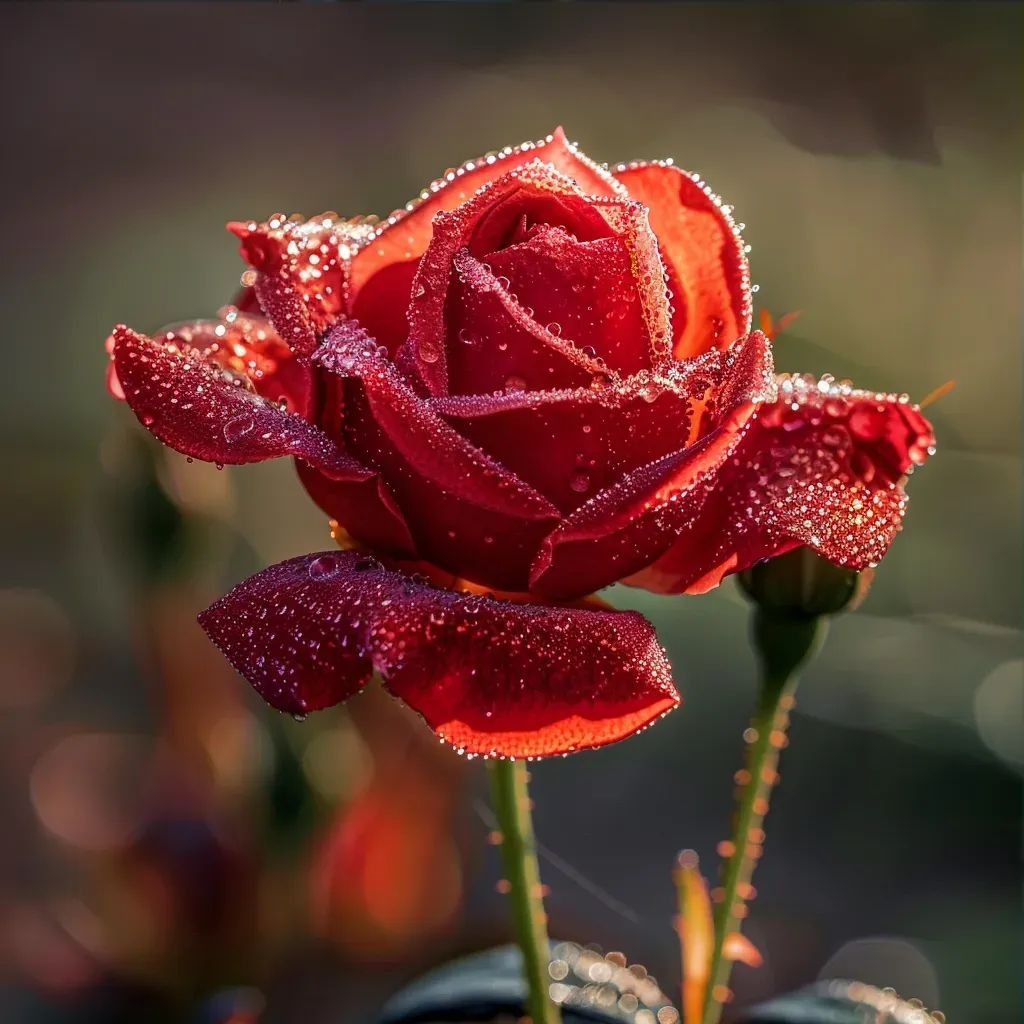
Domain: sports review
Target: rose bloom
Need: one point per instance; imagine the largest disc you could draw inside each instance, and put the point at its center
(537, 379)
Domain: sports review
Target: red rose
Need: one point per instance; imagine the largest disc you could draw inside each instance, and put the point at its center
(539, 378)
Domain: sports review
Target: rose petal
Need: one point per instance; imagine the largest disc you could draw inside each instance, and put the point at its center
(586, 292)
(304, 258)
(209, 413)
(404, 237)
(702, 251)
(453, 231)
(821, 467)
(382, 305)
(494, 344)
(489, 677)
(247, 345)
(629, 525)
(365, 508)
(287, 311)
(467, 512)
(570, 445)
(516, 217)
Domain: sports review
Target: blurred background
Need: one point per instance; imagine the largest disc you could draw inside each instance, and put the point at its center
(166, 841)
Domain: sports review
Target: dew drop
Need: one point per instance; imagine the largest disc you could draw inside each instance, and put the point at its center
(465, 337)
(235, 429)
(555, 329)
(502, 345)
(299, 717)
(515, 384)
(589, 351)
(429, 353)
(148, 420)
(324, 566)
(579, 482)
(587, 428)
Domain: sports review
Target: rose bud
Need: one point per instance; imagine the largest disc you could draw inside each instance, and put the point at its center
(802, 584)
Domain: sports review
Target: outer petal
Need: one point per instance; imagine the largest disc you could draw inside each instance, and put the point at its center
(246, 345)
(404, 237)
(206, 412)
(304, 259)
(823, 466)
(629, 525)
(703, 253)
(468, 513)
(489, 677)
(573, 444)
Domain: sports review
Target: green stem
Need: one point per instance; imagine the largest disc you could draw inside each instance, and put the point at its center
(784, 644)
(511, 801)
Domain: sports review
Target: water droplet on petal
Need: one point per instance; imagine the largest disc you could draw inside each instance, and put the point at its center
(555, 329)
(235, 429)
(579, 482)
(324, 566)
(148, 420)
(429, 353)
(515, 384)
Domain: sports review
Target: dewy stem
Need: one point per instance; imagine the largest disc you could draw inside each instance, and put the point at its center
(511, 801)
(784, 644)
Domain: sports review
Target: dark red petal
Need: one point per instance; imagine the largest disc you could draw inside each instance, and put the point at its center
(626, 527)
(821, 467)
(492, 343)
(570, 445)
(489, 677)
(306, 258)
(454, 231)
(703, 253)
(296, 631)
(209, 413)
(467, 513)
(287, 311)
(404, 237)
(247, 345)
(583, 290)
(364, 508)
